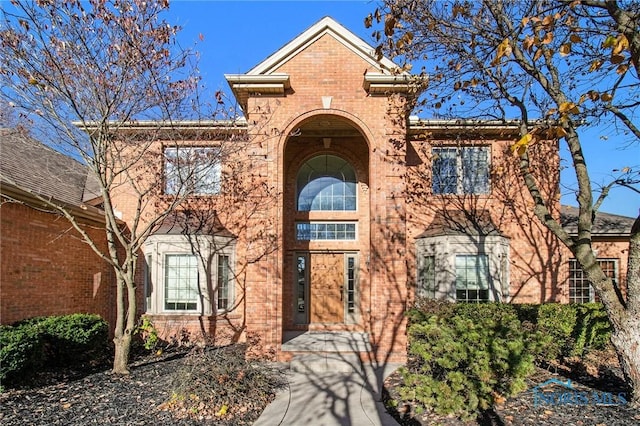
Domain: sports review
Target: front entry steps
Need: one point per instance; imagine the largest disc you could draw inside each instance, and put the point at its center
(327, 351)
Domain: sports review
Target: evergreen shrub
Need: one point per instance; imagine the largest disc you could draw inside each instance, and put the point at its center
(67, 340)
(465, 356)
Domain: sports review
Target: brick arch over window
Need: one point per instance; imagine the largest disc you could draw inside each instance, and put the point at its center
(299, 121)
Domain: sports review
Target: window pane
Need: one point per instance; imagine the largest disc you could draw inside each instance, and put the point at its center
(463, 170)
(224, 291)
(472, 278)
(351, 284)
(306, 231)
(192, 170)
(427, 277)
(580, 289)
(444, 171)
(181, 282)
(326, 183)
(475, 170)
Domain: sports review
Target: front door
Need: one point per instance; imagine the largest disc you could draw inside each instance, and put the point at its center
(327, 287)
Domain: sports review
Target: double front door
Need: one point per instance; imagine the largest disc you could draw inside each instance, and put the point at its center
(326, 287)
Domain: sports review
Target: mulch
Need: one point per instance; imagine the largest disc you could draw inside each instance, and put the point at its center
(591, 400)
(74, 398)
(99, 397)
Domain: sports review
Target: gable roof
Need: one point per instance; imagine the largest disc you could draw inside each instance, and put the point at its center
(33, 167)
(264, 79)
(605, 224)
(326, 25)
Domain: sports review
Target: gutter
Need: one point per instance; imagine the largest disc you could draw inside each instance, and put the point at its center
(37, 201)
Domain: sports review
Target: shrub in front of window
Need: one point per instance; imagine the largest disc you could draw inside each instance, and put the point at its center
(592, 330)
(557, 322)
(464, 356)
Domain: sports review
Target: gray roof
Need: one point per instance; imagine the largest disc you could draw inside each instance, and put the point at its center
(606, 224)
(458, 222)
(34, 167)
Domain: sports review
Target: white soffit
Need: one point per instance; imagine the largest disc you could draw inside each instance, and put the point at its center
(329, 26)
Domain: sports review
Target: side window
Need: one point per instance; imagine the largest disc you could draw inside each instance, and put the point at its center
(463, 170)
(224, 290)
(192, 170)
(427, 277)
(580, 289)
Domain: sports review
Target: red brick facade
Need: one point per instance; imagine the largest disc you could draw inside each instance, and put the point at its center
(47, 269)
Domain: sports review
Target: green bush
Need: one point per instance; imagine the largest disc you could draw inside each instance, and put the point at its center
(21, 352)
(463, 356)
(74, 338)
(557, 321)
(592, 329)
(52, 341)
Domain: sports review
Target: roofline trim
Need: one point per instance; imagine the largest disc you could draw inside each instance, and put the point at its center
(326, 25)
(37, 201)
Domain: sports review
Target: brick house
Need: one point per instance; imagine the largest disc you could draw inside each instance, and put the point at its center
(333, 209)
(46, 268)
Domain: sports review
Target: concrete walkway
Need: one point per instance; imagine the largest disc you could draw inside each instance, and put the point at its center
(328, 398)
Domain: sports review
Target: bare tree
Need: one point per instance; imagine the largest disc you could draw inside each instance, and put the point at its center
(559, 67)
(103, 81)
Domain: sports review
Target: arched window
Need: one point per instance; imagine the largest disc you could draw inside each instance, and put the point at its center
(326, 183)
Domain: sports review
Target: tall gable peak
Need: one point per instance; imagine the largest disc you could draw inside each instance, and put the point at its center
(326, 25)
(266, 78)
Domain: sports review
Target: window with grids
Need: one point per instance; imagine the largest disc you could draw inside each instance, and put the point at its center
(181, 282)
(580, 289)
(192, 170)
(326, 183)
(328, 231)
(472, 278)
(460, 170)
(224, 283)
(427, 277)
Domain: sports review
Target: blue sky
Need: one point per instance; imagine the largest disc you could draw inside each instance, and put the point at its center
(240, 34)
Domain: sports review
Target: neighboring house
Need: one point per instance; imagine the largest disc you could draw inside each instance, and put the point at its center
(611, 244)
(46, 268)
(334, 210)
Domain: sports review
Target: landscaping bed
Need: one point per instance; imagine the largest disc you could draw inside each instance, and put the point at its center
(66, 397)
(593, 377)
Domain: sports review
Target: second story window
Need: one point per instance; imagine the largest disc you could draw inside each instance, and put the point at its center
(192, 170)
(326, 183)
(460, 170)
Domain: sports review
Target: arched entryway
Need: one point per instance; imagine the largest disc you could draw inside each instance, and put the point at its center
(326, 226)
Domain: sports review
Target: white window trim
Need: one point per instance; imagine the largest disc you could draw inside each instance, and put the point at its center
(159, 246)
(215, 168)
(592, 292)
(320, 222)
(460, 171)
(444, 250)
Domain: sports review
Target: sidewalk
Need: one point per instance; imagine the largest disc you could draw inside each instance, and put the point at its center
(331, 398)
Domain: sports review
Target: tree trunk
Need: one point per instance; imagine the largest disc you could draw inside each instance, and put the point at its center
(121, 355)
(627, 343)
(125, 321)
